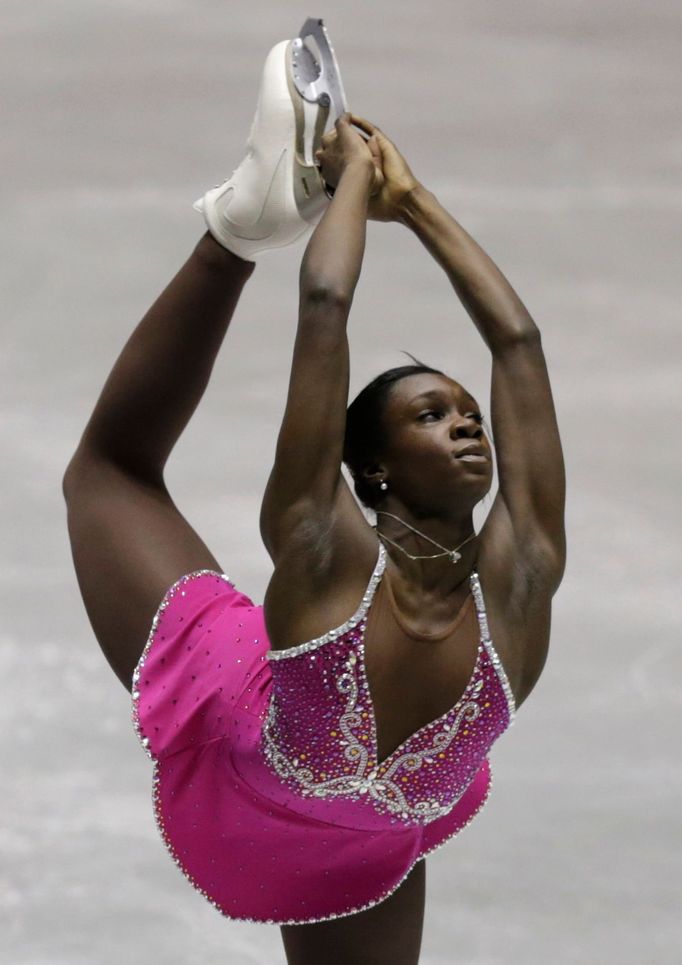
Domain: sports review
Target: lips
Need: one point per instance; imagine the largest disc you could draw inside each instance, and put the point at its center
(471, 449)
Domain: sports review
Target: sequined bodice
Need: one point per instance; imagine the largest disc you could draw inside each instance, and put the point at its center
(320, 735)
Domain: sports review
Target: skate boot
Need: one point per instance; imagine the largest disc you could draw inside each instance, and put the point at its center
(277, 195)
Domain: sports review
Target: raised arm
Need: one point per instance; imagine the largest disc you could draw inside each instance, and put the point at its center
(307, 470)
(525, 527)
(528, 517)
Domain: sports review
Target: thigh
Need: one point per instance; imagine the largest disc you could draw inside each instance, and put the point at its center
(390, 933)
(129, 544)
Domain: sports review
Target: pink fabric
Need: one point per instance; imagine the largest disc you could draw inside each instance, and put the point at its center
(258, 846)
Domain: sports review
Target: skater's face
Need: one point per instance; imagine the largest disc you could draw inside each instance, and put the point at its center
(436, 451)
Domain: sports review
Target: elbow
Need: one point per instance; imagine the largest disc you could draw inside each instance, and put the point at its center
(524, 332)
(522, 336)
(323, 297)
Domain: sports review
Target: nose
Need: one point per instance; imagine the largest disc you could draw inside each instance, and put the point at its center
(465, 427)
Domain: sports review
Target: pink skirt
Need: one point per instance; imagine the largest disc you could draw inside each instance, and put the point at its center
(255, 849)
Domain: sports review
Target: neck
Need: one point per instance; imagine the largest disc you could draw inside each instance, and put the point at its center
(440, 575)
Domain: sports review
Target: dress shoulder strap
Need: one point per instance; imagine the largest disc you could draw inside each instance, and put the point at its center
(357, 617)
(489, 645)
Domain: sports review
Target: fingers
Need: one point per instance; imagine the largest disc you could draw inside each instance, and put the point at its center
(325, 142)
(346, 119)
(343, 122)
(342, 131)
(364, 124)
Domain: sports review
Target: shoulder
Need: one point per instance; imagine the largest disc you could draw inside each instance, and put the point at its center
(320, 575)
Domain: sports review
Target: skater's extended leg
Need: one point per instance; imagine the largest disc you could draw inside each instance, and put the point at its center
(129, 541)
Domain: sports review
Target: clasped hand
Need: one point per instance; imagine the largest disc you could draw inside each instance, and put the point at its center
(344, 146)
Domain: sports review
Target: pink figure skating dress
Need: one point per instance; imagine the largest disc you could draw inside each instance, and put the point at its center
(267, 788)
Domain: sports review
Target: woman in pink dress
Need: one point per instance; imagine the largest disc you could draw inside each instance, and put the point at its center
(309, 753)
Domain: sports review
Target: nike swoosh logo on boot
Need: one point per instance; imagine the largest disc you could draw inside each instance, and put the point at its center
(254, 231)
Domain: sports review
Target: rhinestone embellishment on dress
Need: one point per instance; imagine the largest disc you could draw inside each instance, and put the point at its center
(420, 779)
(320, 733)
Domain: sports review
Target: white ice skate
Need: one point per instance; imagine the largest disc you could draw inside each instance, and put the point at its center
(276, 195)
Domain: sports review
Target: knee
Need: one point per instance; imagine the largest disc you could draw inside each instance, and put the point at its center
(80, 472)
(71, 473)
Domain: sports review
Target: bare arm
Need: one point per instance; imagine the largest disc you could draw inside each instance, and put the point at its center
(307, 471)
(529, 514)
(526, 521)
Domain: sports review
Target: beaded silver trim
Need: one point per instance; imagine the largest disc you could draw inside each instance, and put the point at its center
(345, 627)
(379, 787)
(384, 793)
(135, 693)
(144, 741)
(488, 643)
(158, 815)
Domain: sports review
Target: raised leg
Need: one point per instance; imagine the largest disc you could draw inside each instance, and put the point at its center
(129, 542)
(388, 934)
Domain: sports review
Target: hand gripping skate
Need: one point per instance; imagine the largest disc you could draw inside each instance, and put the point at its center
(277, 194)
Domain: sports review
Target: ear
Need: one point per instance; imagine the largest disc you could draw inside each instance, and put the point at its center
(373, 473)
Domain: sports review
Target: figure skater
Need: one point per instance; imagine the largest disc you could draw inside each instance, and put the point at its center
(310, 752)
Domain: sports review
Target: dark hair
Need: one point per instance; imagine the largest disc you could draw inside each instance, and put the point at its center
(365, 431)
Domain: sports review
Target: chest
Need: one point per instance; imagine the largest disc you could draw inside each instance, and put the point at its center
(414, 680)
(356, 714)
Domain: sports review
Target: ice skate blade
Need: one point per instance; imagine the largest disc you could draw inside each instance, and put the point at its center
(315, 71)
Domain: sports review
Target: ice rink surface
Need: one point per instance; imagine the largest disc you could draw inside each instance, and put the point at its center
(552, 133)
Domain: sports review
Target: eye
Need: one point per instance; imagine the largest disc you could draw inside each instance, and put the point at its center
(476, 416)
(423, 416)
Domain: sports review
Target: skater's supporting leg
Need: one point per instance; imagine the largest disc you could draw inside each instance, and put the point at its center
(390, 933)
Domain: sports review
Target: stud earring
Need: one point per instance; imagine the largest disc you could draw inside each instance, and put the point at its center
(384, 485)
